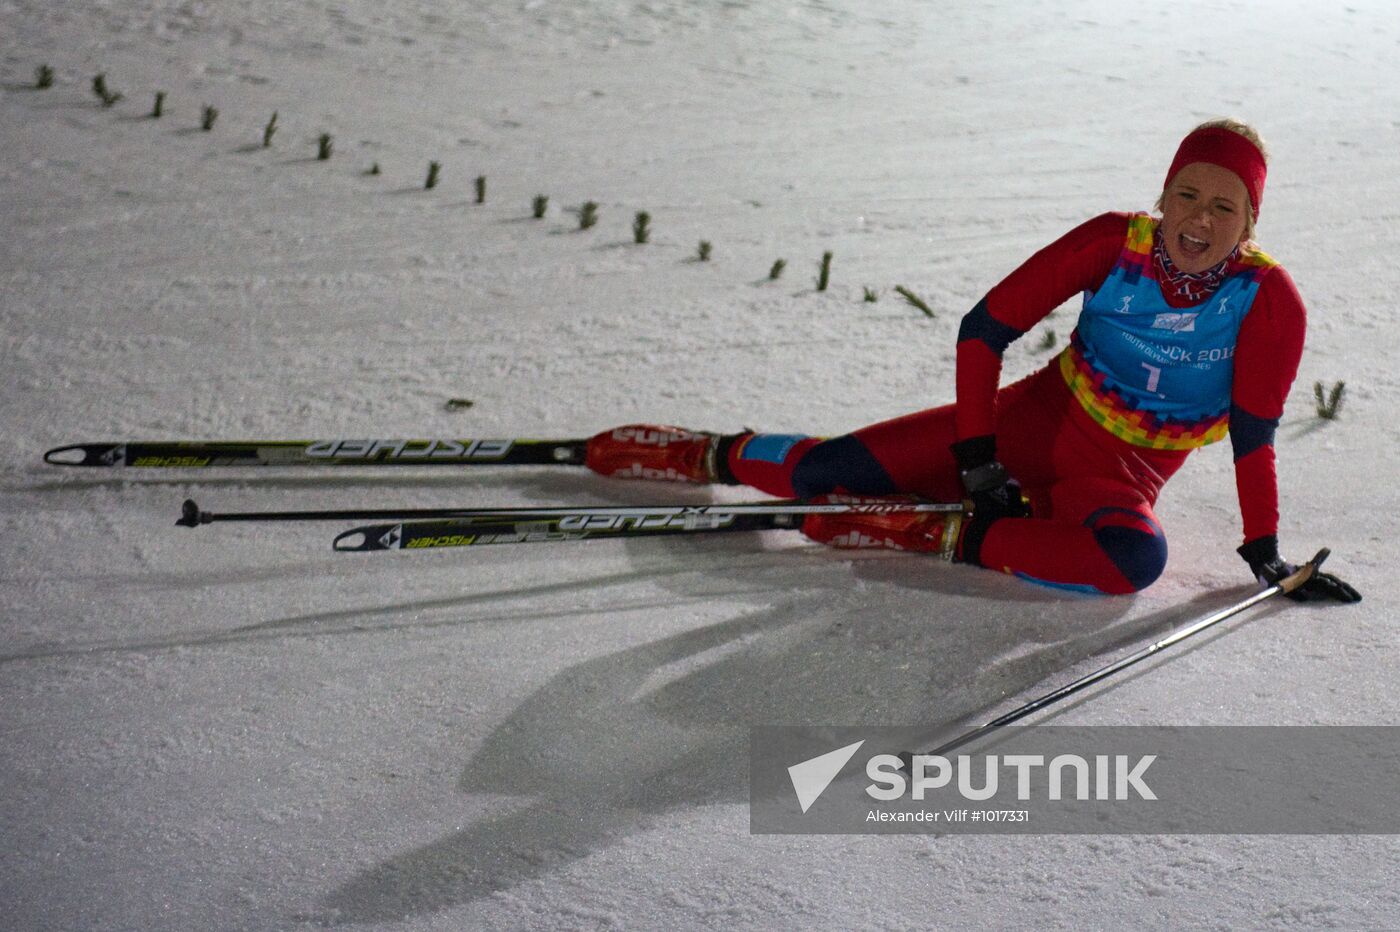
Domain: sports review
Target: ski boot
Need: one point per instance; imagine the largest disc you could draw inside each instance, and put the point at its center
(921, 532)
(651, 451)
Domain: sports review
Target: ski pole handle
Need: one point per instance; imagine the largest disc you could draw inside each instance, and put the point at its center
(1299, 577)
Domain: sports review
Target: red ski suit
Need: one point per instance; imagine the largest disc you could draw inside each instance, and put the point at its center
(1092, 492)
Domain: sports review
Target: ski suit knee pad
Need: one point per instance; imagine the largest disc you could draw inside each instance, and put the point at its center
(1134, 543)
(841, 464)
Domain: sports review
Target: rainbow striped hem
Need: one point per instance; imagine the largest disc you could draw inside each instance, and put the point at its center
(1114, 413)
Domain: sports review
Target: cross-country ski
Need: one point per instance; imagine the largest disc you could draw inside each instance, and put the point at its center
(468, 532)
(201, 454)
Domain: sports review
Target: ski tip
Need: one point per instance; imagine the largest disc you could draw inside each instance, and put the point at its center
(352, 541)
(83, 454)
(190, 515)
(349, 540)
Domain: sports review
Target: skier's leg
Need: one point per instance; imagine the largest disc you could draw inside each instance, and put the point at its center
(778, 464)
(908, 454)
(1101, 536)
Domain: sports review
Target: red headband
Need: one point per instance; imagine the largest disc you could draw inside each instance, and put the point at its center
(1229, 150)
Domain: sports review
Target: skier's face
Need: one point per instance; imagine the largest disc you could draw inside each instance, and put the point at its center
(1203, 215)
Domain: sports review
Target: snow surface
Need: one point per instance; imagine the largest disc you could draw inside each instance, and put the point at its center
(236, 728)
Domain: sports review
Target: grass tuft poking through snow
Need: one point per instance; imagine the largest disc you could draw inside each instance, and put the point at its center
(914, 300)
(1329, 402)
(588, 215)
(105, 94)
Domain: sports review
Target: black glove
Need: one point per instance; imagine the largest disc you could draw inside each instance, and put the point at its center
(994, 494)
(1269, 568)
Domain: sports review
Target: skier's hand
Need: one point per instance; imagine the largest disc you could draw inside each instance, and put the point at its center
(1000, 501)
(1269, 568)
(993, 492)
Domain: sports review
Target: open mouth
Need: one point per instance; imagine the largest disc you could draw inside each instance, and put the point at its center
(1192, 246)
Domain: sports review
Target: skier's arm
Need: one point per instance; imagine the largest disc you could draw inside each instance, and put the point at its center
(1078, 261)
(1267, 352)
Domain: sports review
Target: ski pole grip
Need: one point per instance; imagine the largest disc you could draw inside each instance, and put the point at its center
(1302, 574)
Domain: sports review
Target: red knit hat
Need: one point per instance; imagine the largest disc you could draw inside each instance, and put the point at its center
(1229, 150)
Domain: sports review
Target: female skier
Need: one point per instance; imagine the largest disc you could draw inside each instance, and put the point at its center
(1188, 332)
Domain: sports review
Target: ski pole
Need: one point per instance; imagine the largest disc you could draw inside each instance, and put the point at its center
(1283, 586)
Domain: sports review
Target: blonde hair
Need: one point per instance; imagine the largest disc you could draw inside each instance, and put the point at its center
(1248, 132)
